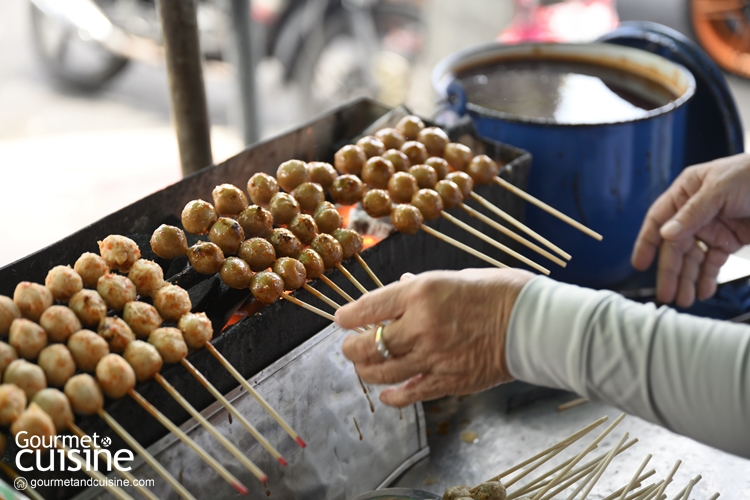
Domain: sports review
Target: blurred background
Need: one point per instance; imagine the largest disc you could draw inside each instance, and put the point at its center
(84, 132)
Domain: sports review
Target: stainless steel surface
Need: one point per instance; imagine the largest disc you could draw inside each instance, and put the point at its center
(398, 494)
(516, 421)
(315, 388)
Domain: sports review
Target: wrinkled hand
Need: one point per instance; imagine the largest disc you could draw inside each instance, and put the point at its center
(709, 202)
(447, 334)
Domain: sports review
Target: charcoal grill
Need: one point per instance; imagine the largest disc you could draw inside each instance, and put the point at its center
(258, 341)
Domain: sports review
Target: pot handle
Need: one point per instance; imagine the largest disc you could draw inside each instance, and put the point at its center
(457, 97)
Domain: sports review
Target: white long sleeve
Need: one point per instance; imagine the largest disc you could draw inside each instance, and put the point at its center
(689, 374)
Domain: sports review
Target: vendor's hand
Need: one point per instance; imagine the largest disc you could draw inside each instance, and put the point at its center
(710, 203)
(447, 334)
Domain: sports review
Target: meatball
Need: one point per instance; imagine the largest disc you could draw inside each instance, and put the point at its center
(450, 193)
(303, 226)
(227, 234)
(87, 348)
(58, 364)
(144, 358)
(377, 203)
(198, 216)
(27, 376)
(483, 169)
(464, 182)
(434, 139)
(147, 276)
(56, 405)
(229, 200)
(8, 354)
(261, 188)
(402, 186)
(32, 299)
(392, 138)
(142, 318)
(205, 257)
(371, 145)
(377, 171)
(115, 376)
(116, 290)
(59, 322)
(425, 175)
(313, 263)
(328, 248)
(349, 160)
(457, 155)
(27, 338)
(428, 202)
(85, 394)
(196, 329)
(410, 126)
(256, 221)
(284, 243)
(406, 218)
(309, 195)
(321, 173)
(34, 422)
(169, 242)
(291, 174)
(8, 312)
(267, 287)
(89, 306)
(283, 207)
(399, 160)
(172, 302)
(291, 271)
(350, 240)
(258, 253)
(116, 332)
(415, 151)
(457, 492)
(90, 267)
(325, 205)
(441, 166)
(63, 282)
(12, 403)
(119, 252)
(491, 490)
(347, 190)
(170, 344)
(236, 273)
(328, 220)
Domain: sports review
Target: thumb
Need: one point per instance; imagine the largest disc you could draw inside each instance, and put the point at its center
(698, 211)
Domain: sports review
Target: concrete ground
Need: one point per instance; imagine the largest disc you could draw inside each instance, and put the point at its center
(67, 159)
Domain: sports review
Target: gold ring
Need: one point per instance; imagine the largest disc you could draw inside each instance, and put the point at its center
(380, 343)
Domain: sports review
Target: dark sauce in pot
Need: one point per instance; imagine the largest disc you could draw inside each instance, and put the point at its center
(563, 92)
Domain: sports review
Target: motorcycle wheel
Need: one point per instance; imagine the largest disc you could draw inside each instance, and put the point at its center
(723, 30)
(331, 72)
(72, 61)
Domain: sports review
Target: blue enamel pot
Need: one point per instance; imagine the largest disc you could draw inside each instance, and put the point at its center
(604, 174)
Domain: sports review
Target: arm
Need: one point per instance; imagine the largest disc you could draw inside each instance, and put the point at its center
(689, 374)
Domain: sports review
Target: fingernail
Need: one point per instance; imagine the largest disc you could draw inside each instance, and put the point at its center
(671, 229)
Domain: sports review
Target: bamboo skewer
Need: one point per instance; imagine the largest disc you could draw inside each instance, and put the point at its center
(520, 225)
(465, 248)
(230, 447)
(604, 465)
(212, 462)
(116, 491)
(351, 278)
(305, 305)
(251, 390)
(320, 296)
(639, 480)
(325, 279)
(654, 493)
(684, 493)
(568, 481)
(580, 456)
(669, 478)
(13, 475)
(635, 477)
(127, 475)
(147, 457)
(547, 208)
(507, 232)
(572, 404)
(714, 496)
(231, 409)
(525, 473)
(494, 243)
(369, 271)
